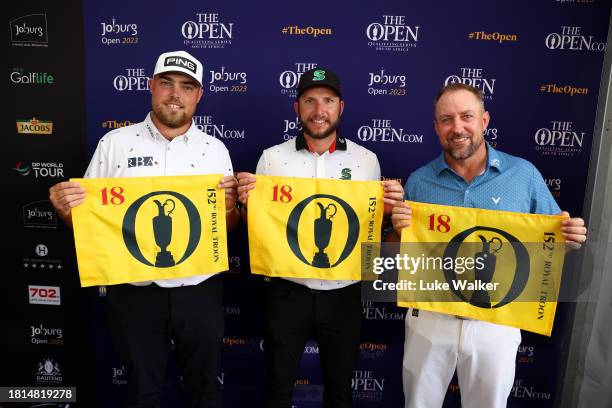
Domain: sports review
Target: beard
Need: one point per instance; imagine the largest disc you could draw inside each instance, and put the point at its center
(333, 126)
(173, 120)
(467, 151)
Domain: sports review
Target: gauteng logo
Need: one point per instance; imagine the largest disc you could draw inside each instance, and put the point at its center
(29, 31)
(474, 77)
(381, 131)
(289, 79)
(571, 38)
(218, 130)
(134, 79)
(560, 139)
(48, 372)
(168, 205)
(34, 126)
(392, 34)
(207, 31)
(328, 210)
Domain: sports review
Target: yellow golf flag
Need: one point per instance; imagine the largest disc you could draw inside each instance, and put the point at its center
(148, 228)
(497, 266)
(312, 228)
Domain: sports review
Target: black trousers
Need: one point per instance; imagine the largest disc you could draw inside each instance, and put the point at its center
(143, 320)
(294, 314)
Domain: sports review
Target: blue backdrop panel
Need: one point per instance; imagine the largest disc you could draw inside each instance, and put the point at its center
(538, 64)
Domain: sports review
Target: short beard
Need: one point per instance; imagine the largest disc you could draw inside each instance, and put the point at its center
(322, 135)
(172, 121)
(466, 152)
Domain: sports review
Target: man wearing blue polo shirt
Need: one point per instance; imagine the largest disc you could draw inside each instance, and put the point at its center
(469, 173)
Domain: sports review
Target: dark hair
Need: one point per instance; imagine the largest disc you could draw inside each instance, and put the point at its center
(460, 87)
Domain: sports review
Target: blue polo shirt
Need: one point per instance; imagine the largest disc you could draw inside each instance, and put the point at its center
(509, 183)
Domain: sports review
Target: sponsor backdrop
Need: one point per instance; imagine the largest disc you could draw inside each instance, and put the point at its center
(538, 65)
(47, 326)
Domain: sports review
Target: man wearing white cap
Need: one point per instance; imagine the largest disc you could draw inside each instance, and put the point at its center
(145, 317)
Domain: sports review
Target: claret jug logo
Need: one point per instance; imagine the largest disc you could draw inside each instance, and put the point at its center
(166, 206)
(572, 38)
(474, 77)
(560, 139)
(208, 31)
(494, 243)
(289, 79)
(134, 79)
(325, 214)
(392, 34)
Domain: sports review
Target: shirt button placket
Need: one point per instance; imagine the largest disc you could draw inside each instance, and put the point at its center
(320, 167)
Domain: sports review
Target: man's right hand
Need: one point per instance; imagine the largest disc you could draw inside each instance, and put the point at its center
(246, 182)
(64, 196)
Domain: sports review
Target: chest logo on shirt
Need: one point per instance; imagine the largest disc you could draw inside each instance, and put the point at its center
(496, 199)
(346, 174)
(140, 161)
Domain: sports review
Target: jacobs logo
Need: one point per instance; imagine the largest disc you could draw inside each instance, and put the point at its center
(490, 247)
(162, 227)
(328, 207)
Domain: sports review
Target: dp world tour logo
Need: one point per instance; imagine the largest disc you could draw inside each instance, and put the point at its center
(162, 227)
(490, 247)
(327, 208)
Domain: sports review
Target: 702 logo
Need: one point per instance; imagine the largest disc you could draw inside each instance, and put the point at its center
(44, 295)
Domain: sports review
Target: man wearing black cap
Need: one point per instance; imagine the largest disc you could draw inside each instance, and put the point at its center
(145, 316)
(298, 309)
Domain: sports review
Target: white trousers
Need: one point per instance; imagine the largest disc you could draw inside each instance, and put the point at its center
(484, 355)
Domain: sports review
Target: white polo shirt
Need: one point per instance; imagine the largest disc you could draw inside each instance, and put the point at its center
(140, 150)
(346, 159)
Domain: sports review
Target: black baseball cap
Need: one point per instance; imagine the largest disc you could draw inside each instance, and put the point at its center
(319, 77)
